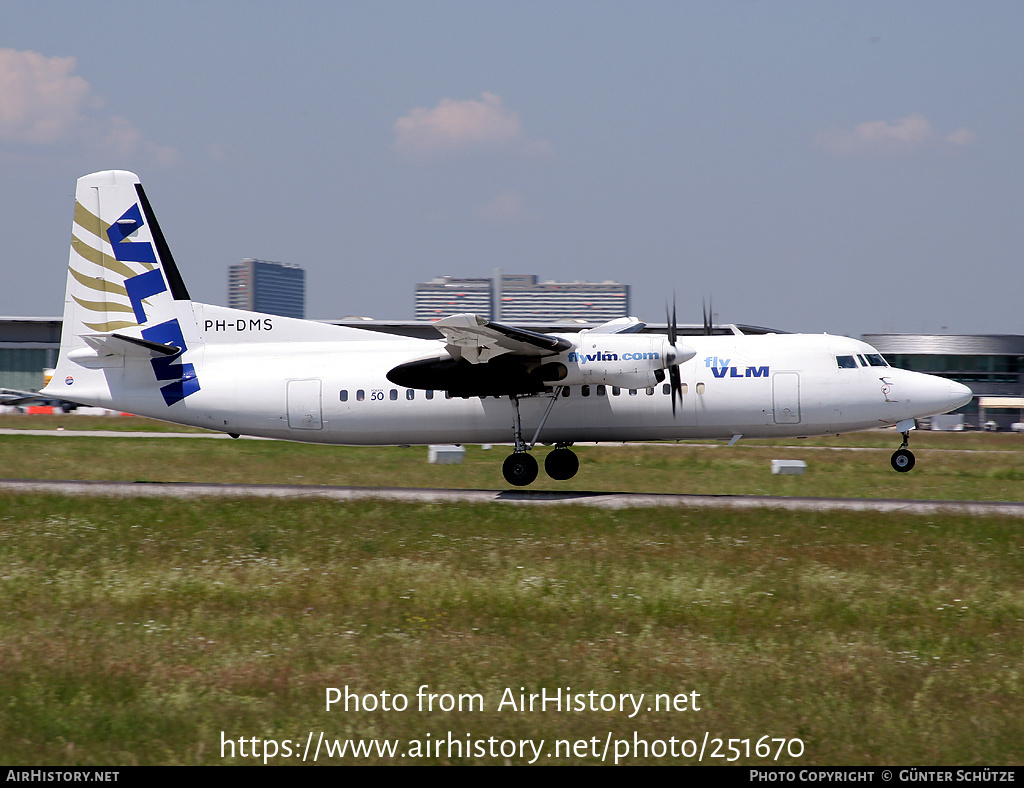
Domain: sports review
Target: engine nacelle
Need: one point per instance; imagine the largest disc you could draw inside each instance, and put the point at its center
(631, 361)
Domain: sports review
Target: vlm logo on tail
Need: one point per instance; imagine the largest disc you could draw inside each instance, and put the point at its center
(720, 369)
(182, 377)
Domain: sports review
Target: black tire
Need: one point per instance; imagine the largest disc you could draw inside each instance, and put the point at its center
(561, 464)
(902, 460)
(519, 469)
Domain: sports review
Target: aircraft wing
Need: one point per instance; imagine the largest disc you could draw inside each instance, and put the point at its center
(620, 325)
(476, 340)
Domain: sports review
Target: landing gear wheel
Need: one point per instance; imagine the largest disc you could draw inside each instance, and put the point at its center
(902, 460)
(519, 469)
(561, 464)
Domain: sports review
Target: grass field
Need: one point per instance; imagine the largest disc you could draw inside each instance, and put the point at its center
(148, 631)
(962, 466)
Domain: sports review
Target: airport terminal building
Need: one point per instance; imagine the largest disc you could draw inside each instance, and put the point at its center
(28, 345)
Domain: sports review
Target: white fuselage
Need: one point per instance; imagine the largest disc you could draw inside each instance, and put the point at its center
(265, 382)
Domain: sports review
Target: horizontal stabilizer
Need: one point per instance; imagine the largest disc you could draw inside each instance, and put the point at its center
(104, 350)
(141, 347)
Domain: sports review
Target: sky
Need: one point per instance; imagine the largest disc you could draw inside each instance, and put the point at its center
(809, 166)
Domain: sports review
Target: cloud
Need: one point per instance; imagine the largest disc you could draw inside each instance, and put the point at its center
(40, 100)
(909, 133)
(507, 207)
(913, 130)
(460, 125)
(43, 102)
(961, 137)
(124, 140)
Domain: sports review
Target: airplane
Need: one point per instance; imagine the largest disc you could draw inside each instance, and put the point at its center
(133, 340)
(18, 397)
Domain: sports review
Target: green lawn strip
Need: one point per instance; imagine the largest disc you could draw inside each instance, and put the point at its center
(652, 468)
(143, 631)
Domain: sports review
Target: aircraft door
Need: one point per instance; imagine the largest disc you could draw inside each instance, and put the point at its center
(786, 397)
(304, 411)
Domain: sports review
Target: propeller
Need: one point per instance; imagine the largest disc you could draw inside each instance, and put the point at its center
(709, 317)
(675, 379)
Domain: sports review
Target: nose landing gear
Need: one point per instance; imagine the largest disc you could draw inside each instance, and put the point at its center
(903, 458)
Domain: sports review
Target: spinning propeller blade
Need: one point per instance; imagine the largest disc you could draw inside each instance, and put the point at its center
(675, 379)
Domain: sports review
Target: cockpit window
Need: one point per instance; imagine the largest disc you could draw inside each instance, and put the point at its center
(846, 362)
(875, 360)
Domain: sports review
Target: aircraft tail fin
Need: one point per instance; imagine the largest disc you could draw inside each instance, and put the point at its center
(124, 297)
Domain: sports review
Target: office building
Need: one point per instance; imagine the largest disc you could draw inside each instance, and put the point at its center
(268, 287)
(520, 298)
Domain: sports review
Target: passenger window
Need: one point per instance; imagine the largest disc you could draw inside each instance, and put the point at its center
(360, 395)
(344, 395)
(846, 362)
(585, 391)
(394, 394)
(616, 391)
(410, 393)
(565, 391)
(632, 392)
(600, 391)
(666, 388)
(650, 391)
(430, 393)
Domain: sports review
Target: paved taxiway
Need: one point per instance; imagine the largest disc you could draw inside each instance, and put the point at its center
(521, 497)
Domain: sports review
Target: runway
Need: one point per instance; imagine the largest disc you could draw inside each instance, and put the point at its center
(605, 500)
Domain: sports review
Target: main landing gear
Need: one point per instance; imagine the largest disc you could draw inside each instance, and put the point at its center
(562, 463)
(903, 458)
(520, 468)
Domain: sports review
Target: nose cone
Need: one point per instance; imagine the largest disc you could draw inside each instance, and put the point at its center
(959, 395)
(930, 395)
(945, 395)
